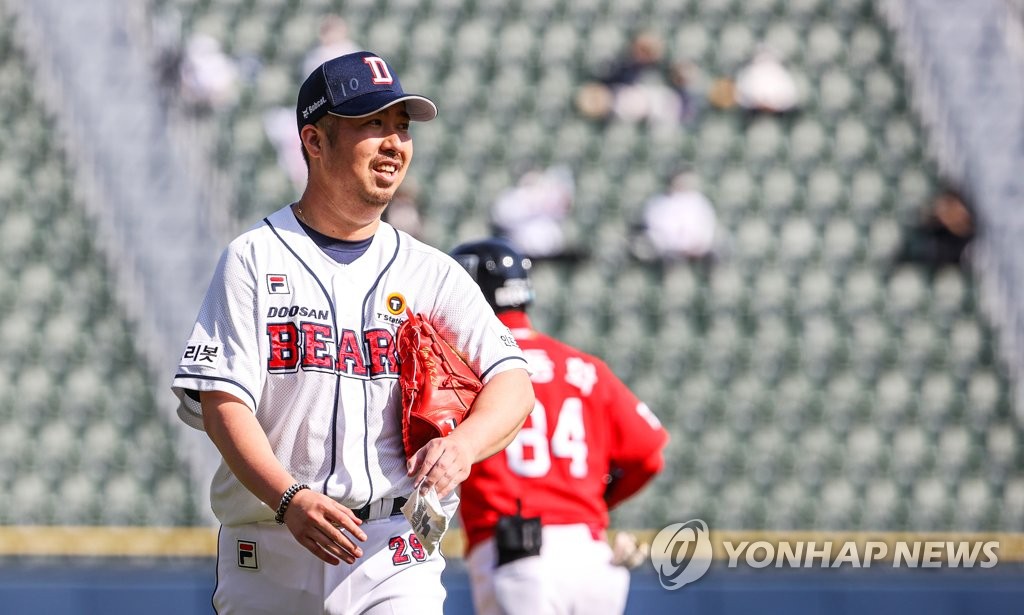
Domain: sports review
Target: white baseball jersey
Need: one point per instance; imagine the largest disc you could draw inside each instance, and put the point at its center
(308, 344)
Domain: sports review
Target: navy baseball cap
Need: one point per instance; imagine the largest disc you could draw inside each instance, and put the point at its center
(356, 85)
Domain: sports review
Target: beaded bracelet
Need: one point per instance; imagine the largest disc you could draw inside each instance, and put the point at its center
(286, 499)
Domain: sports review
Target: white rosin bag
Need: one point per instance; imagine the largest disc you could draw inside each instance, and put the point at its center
(426, 516)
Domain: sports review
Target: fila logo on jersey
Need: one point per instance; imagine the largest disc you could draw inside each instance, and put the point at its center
(396, 303)
(277, 284)
(247, 555)
(381, 74)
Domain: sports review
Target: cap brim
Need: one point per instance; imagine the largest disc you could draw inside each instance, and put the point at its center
(419, 108)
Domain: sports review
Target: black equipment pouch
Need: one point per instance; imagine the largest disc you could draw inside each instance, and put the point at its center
(517, 536)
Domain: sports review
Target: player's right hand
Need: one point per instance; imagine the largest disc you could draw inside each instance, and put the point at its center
(326, 528)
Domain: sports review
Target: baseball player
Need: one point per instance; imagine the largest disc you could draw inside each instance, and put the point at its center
(291, 369)
(535, 514)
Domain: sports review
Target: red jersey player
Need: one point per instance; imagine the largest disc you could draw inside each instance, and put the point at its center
(535, 514)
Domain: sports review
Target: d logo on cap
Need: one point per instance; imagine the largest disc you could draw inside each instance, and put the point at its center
(356, 85)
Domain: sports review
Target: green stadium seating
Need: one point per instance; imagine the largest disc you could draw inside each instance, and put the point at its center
(809, 381)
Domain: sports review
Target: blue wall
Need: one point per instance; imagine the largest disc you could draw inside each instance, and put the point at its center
(160, 587)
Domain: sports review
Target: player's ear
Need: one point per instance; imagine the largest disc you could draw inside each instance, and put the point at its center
(312, 140)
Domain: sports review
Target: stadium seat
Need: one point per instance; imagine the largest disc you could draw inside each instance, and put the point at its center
(727, 291)
(940, 399)
(883, 241)
(910, 455)
(840, 245)
(868, 195)
(784, 39)
(717, 454)
(724, 346)
(754, 242)
(907, 291)
(770, 456)
(965, 346)
(865, 454)
(838, 505)
(824, 46)
(780, 194)
(774, 347)
(974, 506)
(788, 507)
(690, 42)
(983, 399)
(740, 507)
(848, 401)
(884, 505)
(35, 505)
(853, 144)
(818, 456)
(735, 46)
(881, 95)
(921, 347)
(866, 46)
(756, 12)
(954, 457)
(836, 93)
(815, 293)
(948, 296)
(807, 142)
(79, 500)
(798, 242)
(1011, 513)
(820, 347)
(803, 11)
(930, 507)
(765, 140)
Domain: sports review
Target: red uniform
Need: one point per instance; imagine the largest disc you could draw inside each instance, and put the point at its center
(587, 426)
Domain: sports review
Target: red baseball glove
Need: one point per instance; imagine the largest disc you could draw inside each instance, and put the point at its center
(438, 387)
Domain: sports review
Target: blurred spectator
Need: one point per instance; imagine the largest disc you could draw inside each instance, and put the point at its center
(943, 234)
(404, 211)
(765, 85)
(334, 42)
(722, 93)
(279, 124)
(640, 86)
(531, 214)
(683, 77)
(169, 52)
(209, 77)
(678, 225)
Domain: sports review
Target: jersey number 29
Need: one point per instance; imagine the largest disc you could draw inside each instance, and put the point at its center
(529, 455)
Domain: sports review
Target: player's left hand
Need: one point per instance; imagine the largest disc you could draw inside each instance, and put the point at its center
(442, 463)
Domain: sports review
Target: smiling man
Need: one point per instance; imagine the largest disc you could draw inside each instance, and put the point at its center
(291, 369)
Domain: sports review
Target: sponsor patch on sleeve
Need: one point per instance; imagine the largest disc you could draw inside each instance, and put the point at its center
(201, 354)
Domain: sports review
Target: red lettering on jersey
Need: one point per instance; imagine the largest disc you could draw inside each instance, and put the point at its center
(381, 74)
(284, 347)
(314, 345)
(350, 357)
(380, 345)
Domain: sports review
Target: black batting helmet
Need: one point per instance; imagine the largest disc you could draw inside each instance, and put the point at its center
(502, 272)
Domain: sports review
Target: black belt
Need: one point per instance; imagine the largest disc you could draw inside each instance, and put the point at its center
(396, 509)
